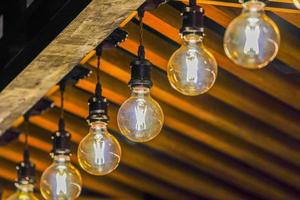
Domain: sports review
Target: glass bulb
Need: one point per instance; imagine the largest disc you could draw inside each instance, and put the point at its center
(140, 117)
(252, 39)
(99, 153)
(192, 69)
(61, 180)
(24, 192)
(297, 3)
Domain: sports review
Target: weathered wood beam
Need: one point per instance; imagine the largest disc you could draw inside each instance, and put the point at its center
(82, 35)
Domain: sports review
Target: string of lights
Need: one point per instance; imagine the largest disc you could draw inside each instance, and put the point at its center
(251, 41)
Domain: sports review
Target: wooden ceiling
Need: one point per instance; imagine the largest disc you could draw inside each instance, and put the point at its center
(241, 140)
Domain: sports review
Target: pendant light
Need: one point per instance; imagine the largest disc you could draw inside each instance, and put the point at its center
(61, 180)
(192, 69)
(99, 152)
(252, 39)
(140, 118)
(297, 3)
(25, 172)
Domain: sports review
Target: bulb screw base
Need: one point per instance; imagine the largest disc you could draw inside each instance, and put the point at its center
(26, 170)
(244, 1)
(140, 71)
(192, 23)
(61, 140)
(98, 107)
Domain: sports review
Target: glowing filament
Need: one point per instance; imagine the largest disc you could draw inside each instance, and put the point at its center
(192, 69)
(61, 186)
(99, 153)
(252, 37)
(140, 114)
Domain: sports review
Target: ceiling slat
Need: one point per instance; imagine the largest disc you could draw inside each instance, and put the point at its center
(137, 159)
(13, 152)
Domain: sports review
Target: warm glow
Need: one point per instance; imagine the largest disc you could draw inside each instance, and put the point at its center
(140, 117)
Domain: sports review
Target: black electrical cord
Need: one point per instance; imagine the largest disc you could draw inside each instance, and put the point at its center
(98, 90)
(98, 69)
(193, 3)
(26, 122)
(141, 50)
(61, 124)
(26, 135)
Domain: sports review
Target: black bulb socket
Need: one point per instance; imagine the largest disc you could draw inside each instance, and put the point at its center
(192, 22)
(26, 170)
(61, 140)
(140, 71)
(98, 107)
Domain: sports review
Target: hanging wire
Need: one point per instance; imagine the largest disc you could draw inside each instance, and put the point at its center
(26, 120)
(61, 101)
(141, 15)
(98, 69)
(193, 3)
(141, 51)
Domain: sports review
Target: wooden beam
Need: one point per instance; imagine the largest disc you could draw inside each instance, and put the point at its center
(82, 35)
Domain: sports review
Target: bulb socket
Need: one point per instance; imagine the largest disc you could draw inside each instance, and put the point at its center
(25, 170)
(140, 71)
(61, 140)
(98, 107)
(192, 21)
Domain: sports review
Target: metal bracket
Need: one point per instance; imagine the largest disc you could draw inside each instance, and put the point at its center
(77, 73)
(113, 40)
(41, 106)
(9, 136)
(152, 4)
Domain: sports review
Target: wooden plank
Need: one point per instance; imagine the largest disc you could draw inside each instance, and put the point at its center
(291, 18)
(238, 5)
(223, 117)
(167, 20)
(13, 152)
(256, 104)
(288, 46)
(123, 175)
(89, 28)
(184, 124)
(138, 159)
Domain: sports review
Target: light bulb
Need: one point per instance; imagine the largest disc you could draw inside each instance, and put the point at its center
(24, 192)
(61, 180)
(252, 39)
(297, 3)
(140, 117)
(192, 69)
(99, 152)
